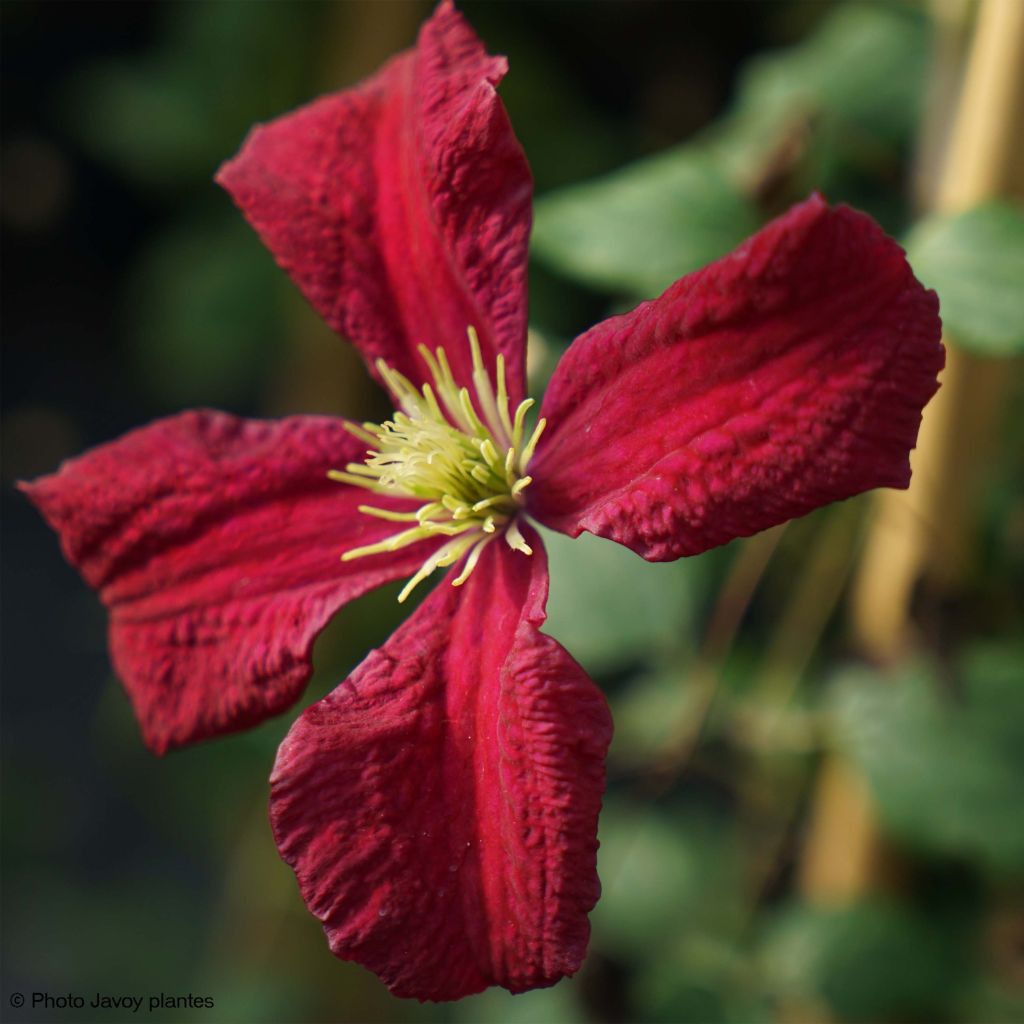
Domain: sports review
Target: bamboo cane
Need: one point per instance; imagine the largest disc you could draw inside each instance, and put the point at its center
(925, 536)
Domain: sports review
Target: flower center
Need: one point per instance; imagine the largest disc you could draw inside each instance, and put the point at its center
(462, 455)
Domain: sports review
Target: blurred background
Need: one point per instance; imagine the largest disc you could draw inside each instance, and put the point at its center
(814, 805)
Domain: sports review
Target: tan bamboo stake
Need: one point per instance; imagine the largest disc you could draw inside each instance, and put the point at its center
(925, 535)
(927, 529)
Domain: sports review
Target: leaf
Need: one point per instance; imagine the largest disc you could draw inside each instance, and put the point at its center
(975, 261)
(641, 228)
(609, 607)
(869, 962)
(204, 313)
(944, 764)
(172, 116)
(858, 79)
(846, 96)
(557, 1005)
(652, 712)
(665, 879)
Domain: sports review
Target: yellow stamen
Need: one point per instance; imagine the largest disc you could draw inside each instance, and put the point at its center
(474, 557)
(516, 541)
(460, 453)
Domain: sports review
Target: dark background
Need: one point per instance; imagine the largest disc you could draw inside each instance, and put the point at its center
(131, 289)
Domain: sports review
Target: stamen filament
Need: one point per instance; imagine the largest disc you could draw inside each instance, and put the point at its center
(482, 383)
(361, 432)
(506, 423)
(393, 517)
(532, 443)
(347, 478)
(488, 502)
(445, 555)
(457, 451)
(399, 540)
(466, 404)
(515, 540)
(517, 426)
(474, 557)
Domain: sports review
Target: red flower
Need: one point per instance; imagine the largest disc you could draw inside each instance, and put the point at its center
(440, 806)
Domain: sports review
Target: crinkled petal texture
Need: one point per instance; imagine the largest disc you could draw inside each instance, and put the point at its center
(440, 806)
(789, 374)
(401, 207)
(215, 544)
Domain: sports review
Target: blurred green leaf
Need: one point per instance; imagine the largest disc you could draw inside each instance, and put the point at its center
(609, 607)
(680, 990)
(868, 962)
(703, 976)
(177, 113)
(975, 261)
(665, 878)
(991, 999)
(859, 77)
(674, 995)
(651, 711)
(255, 995)
(204, 311)
(544, 1006)
(639, 229)
(848, 95)
(161, 908)
(945, 767)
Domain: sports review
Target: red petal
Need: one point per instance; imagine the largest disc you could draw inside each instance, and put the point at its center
(440, 806)
(214, 542)
(789, 374)
(401, 207)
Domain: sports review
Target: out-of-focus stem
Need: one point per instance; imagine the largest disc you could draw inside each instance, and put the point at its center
(745, 575)
(813, 601)
(926, 534)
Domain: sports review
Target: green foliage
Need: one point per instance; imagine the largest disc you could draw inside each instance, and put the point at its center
(823, 114)
(945, 759)
(175, 115)
(640, 228)
(868, 962)
(608, 606)
(107, 911)
(205, 316)
(672, 908)
(653, 709)
(992, 1000)
(661, 881)
(544, 1006)
(855, 83)
(975, 261)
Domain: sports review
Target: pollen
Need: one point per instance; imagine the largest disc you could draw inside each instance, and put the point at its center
(462, 455)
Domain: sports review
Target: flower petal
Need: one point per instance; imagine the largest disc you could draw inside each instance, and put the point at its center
(401, 207)
(214, 542)
(440, 806)
(788, 374)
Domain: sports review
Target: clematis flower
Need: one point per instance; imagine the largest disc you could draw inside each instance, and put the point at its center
(440, 806)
